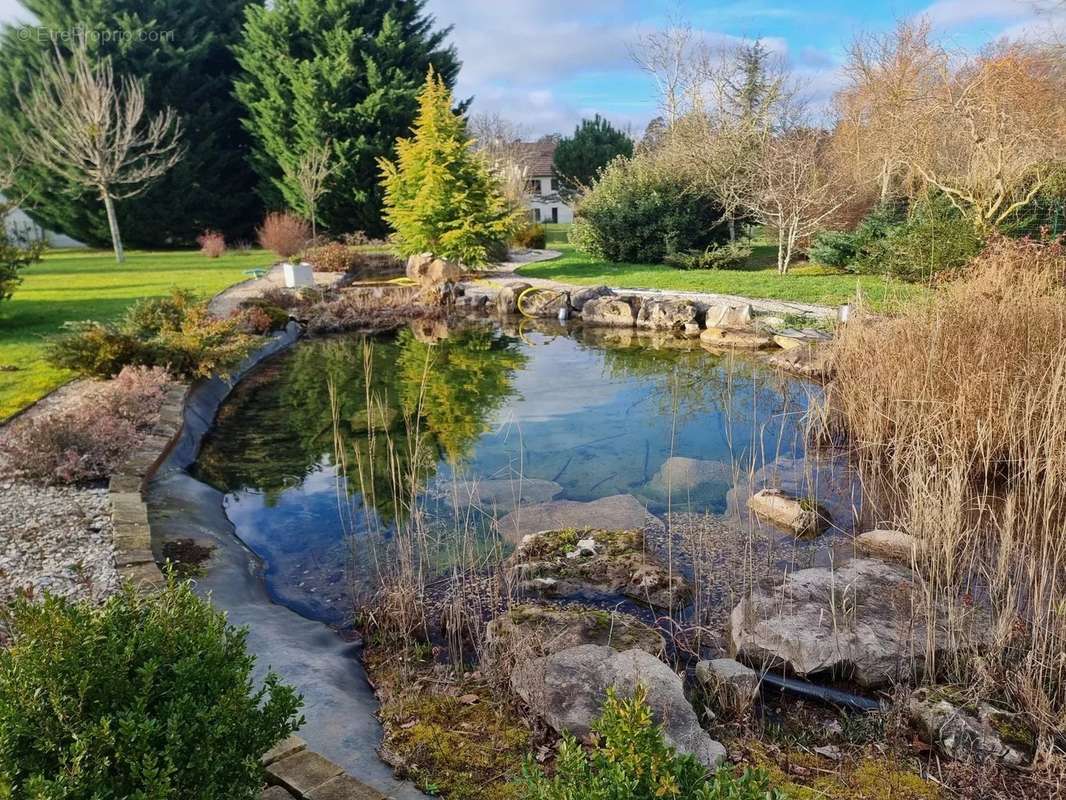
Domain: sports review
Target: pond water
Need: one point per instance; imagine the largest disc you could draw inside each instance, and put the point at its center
(307, 448)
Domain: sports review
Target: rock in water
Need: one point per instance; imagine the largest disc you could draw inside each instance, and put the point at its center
(863, 618)
(680, 475)
(613, 311)
(894, 545)
(581, 296)
(667, 315)
(725, 338)
(800, 518)
(567, 690)
(501, 494)
(725, 315)
(507, 299)
(542, 630)
(617, 512)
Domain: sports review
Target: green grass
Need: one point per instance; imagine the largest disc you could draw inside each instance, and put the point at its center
(87, 284)
(805, 283)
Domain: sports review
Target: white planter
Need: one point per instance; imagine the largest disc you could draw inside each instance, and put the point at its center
(298, 276)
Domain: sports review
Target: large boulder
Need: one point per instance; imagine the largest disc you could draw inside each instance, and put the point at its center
(579, 297)
(598, 562)
(567, 690)
(507, 299)
(541, 630)
(802, 517)
(962, 731)
(865, 618)
(614, 311)
(730, 338)
(667, 315)
(893, 545)
(617, 512)
(427, 269)
(729, 315)
(543, 302)
(731, 686)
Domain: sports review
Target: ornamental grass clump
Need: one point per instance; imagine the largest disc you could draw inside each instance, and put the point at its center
(145, 696)
(954, 414)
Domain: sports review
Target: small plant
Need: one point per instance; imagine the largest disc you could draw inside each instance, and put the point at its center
(284, 234)
(331, 257)
(87, 442)
(726, 256)
(17, 251)
(176, 332)
(632, 761)
(145, 696)
(212, 244)
(534, 237)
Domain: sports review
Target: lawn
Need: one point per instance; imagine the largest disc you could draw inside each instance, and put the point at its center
(805, 283)
(88, 284)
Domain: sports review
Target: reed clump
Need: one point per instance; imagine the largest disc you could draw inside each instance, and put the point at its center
(955, 413)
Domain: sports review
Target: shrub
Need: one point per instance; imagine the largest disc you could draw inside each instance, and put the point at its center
(212, 244)
(331, 257)
(146, 696)
(88, 441)
(642, 211)
(727, 256)
(632, 761)
(842, 249)
(176, 332)
(439, 195)
(284, 234)
(531, 236)
(17, 250)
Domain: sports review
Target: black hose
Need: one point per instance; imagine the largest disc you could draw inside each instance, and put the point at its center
(834, 696)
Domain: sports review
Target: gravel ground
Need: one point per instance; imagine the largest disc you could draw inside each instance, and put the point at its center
(55, 539)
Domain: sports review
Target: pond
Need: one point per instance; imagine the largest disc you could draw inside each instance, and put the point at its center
(314, 449)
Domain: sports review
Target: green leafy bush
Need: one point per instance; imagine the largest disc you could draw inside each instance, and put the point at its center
(733, 255)
(144, 697)
(641, 211)
(532, 236)
(633, 762)
(175, 332)
(17, 250)
(843, 249)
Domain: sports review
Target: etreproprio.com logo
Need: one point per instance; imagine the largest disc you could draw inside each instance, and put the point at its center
(89, 35)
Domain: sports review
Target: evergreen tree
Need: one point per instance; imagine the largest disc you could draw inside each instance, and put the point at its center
(343, 71)
(439, 195)
(181, 52)
(595, 143)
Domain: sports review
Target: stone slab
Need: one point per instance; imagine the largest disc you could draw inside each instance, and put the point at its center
(302, 772)
(142, 576)
(344, 787)
(277, 793)
(288, 746)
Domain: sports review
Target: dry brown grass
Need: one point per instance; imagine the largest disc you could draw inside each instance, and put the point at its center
(955, 415)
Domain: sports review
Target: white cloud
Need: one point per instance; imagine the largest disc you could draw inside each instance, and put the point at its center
(957, 13)
(12, 11)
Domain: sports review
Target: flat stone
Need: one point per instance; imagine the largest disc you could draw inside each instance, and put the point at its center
(499, 494)
(122, 483)
(542, 630)
(680, 474)
(789, 512)
(617, 512)
(567, 690)
(277, 793)
(860, 619)
(894, 545)
(144, 577)
(302, 772)
(128, 507)
(971, 734)
(288, 746)
(344, 787)
(130, 536)
(726, 338)
(127, 558)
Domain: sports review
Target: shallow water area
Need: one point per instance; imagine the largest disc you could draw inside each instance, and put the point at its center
(513, 429)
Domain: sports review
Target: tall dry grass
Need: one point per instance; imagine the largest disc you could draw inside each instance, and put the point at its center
(955, 413)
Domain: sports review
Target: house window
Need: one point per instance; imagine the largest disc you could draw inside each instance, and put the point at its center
(536, 214)
(534, 185)
(555, 184)
(555, 214)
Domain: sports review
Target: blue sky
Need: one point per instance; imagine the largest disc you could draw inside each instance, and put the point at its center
(547, 63)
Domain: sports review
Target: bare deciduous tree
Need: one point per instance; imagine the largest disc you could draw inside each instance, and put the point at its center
(671, 57)
(793, 191)
(501, 143)
(310, 175)
(88, 125)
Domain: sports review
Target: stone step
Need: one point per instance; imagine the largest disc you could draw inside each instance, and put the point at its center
(296, 773)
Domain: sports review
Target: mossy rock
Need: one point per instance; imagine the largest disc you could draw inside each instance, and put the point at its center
(538, 630)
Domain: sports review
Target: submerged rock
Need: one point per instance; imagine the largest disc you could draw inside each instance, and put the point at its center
(567, 690)
(541, 630)
(730, 685)
(680, 474)
(968, 733)
(865, 618)
(614, 311)
(894, 545)
(617, 512)
(498, 493)
(808, 361)
(667, 314)
(581, 296)
(801, 517)
(551, 563)
(729, 315)
(724, 338)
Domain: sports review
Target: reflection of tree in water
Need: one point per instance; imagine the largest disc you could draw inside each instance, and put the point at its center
(279, 424)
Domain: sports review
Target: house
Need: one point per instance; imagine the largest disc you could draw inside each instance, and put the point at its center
(16, 222)
(543, 198)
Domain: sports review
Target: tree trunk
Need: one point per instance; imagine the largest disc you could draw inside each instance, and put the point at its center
(112, 221)
(314, 229)
(886, 181)
(732, 230)
(781, 266)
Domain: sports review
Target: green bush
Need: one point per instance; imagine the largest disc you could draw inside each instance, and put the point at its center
(175, 332)
(633, 762)
(143, 697)
(532, 236)
(17, 250)
(641, 211)
(733, 255)
(842, 249)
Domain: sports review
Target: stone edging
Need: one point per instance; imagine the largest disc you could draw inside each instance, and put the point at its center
(293, 771)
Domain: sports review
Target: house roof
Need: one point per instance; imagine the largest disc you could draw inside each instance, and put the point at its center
(541, 157)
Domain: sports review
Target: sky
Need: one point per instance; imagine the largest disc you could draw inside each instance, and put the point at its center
(545, 64)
